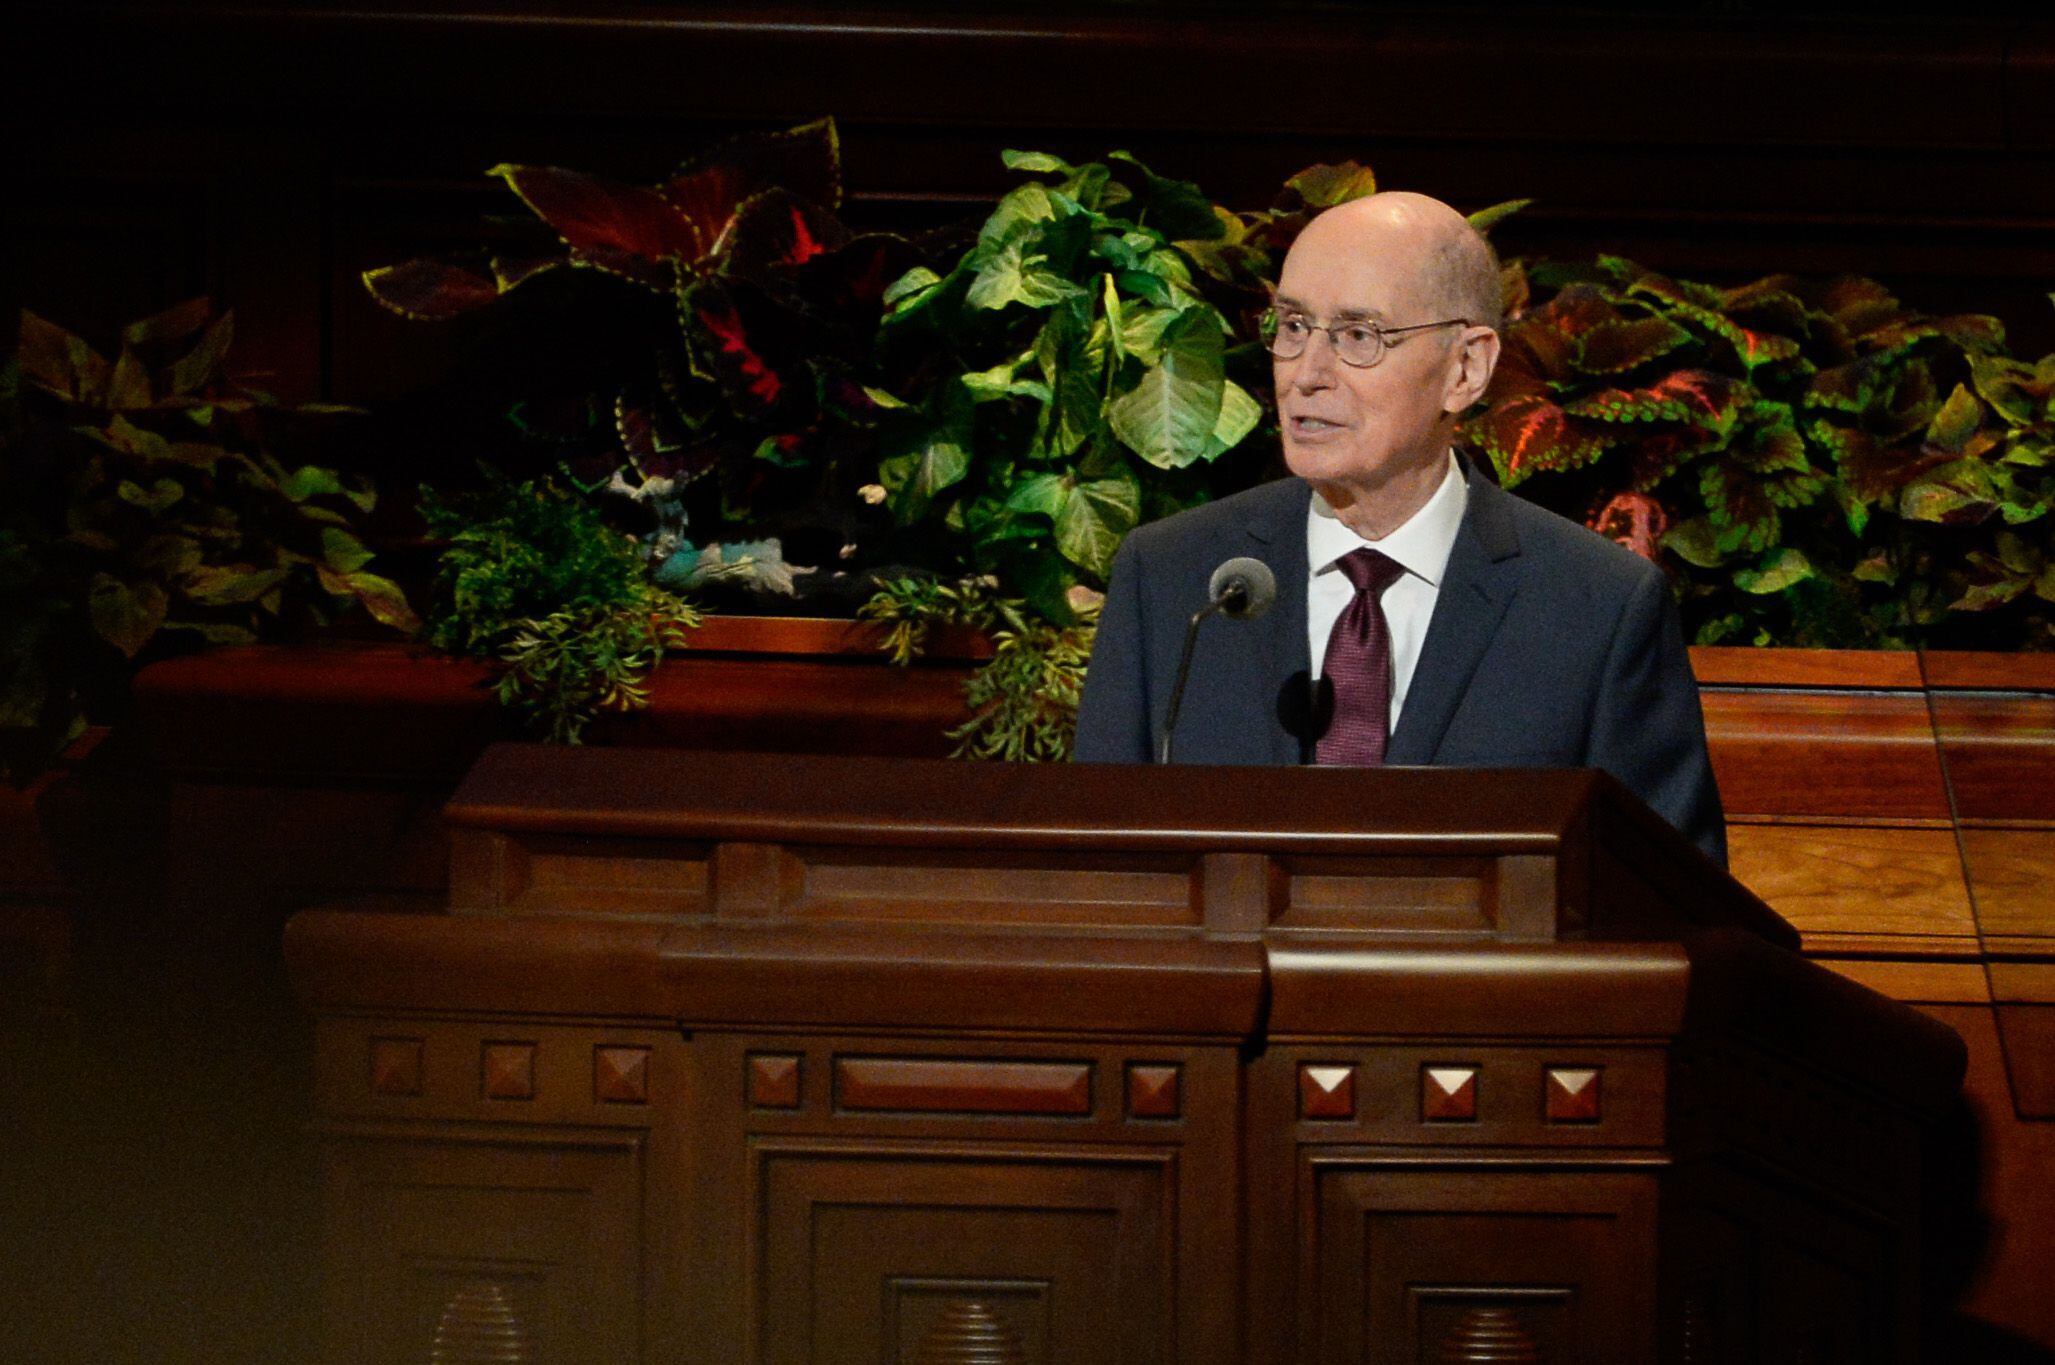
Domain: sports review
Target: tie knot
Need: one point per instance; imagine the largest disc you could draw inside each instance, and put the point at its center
(1369, 570)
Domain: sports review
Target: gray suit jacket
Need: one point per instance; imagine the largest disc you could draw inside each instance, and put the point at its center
(1549, 647)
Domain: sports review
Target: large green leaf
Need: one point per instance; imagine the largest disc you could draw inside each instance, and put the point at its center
(1094, 516)
(1009, 275)
(1169, 415)
(1040, 494)
(60, 362)
(381, 597)
(928, 454)
(342, 551)
(156, 498)
(199, 367)
(126, 616)
(1175, 208)
(1239, 413)
(1018, 212)
(1778, 570)
(227, 585)
(1324, 186)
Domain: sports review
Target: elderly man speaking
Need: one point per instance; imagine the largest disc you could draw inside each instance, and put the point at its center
(1423, 615)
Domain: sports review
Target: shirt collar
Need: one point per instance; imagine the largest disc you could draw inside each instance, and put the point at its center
(1421, 546)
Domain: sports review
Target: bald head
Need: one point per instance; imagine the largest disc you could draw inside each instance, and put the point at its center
(1451, 270)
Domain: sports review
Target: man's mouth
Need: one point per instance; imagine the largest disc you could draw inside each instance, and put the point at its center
(1303, 425)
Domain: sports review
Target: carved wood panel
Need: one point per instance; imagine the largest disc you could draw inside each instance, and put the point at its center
(1455, 1264)
(880, 1252)
(443, 1246)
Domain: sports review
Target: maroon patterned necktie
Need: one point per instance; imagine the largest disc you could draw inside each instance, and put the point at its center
(1358, 665)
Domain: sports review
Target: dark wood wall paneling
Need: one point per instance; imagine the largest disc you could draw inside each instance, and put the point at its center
(269, 154)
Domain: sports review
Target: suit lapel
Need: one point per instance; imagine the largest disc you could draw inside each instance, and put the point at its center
(1475, 590)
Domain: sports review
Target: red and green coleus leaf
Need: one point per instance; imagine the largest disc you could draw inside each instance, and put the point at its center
(2022, 394)
(1852, 388)
(852, 280)
(1911, 407)
(648, 431)
(1956, 493)
(434, 291)
(1859, 305)
(805, 161)
(1872, 470)
(1955, 425)
(628, 230)
(1531, 435)
(730, 331)
(1739, 508)
(777, 229)
(1993, 579)
(1658, 454)
(1634, 520)
(1767, 440)
(1617, 345)
(1700, 304)
(1770, 304)
(1702, 398)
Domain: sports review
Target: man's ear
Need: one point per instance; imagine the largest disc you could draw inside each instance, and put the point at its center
(1475, 358)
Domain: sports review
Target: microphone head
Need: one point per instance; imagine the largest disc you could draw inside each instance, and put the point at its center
(1244, 587)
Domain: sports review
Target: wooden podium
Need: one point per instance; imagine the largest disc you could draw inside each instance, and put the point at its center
(727, 1058)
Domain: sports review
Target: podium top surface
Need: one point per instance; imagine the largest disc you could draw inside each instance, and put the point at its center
(526, 788)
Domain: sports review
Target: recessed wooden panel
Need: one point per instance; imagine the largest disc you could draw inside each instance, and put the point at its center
(1399, 1259)
(1073, 1256)
(418, 1229)
(560, 876)
(968, 1086)
(1395, 895)
(945, 887)
(1848, 888)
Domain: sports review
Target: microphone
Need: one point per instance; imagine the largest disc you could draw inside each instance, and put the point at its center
(1241, 589)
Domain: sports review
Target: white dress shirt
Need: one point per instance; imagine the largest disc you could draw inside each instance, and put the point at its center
(1421, 547)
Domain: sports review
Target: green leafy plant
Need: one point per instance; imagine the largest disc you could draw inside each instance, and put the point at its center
(1024, 700)
(143, 510)
(534, 579)
(1068, 377)
(1810, 458)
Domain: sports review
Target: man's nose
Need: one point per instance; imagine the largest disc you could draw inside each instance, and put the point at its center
(1315, 365)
